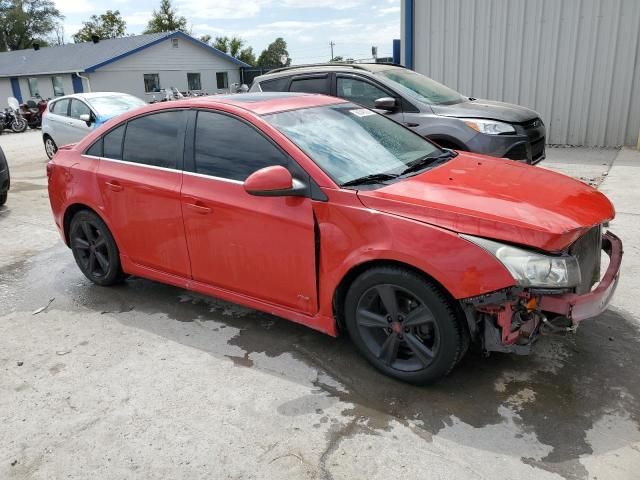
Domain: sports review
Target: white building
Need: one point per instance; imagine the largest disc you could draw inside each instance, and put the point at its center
(137, 65)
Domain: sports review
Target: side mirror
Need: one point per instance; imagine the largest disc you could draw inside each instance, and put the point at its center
(85, 117)
(388, 104)
(274, 181)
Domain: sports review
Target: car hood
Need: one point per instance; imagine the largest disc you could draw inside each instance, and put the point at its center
(498, 199)
(506, 112)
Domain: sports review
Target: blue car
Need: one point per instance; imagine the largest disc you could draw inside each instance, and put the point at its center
(68, 119)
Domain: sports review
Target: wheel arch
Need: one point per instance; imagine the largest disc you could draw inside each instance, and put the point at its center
(447, 141)
(347, 280)
(71, 211)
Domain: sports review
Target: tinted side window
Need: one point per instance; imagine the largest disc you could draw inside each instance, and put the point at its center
(229, 148)
(153, 139)
(276, 85)
(95, 149)
(113, 143)
(359, 91)
(78, 108)
(311, 85)
(60, 107)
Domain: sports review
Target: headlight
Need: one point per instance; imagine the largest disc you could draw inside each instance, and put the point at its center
(490, 127)
(532, 269)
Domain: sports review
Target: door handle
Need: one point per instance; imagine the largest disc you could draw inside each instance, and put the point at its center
(411, 124)
(198, 207)
(113, 185)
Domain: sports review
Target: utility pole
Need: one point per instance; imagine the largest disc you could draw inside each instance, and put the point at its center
(331, 44)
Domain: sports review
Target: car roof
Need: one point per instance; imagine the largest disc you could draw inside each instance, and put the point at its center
(328, 67)
(264, 103)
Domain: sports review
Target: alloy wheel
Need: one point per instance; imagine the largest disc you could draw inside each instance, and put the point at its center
(397, 327)
(50, 147)
(90, 245)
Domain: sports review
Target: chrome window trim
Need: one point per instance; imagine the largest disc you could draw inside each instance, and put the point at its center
(202, 175)
(165, 169)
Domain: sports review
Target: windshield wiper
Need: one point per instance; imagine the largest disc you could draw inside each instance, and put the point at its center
(368, 179)
(429, 160)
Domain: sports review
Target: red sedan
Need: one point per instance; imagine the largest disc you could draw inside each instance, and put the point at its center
(333, 216)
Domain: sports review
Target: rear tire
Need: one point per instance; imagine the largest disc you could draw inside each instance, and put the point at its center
(403, 325)
(3, 198)
(94, 249)
(50, 146)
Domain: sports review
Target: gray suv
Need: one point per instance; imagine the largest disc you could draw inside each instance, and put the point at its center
(433, 110)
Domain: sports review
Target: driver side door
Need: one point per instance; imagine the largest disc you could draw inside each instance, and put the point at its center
(358, 90)
(262, 247)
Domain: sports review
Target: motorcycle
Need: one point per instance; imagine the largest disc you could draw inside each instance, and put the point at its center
(32, 112)
(11, 117)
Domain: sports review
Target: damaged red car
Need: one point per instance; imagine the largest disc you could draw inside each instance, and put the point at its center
(333, 216)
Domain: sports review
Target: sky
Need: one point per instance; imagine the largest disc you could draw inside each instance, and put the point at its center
(307, 25)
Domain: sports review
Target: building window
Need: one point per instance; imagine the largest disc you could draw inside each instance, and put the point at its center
(151, 82)
(222, 79)
(58, 88)
(193, 80)
(174, 42)
(33, 87)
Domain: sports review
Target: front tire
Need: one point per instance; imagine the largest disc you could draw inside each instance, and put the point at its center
(403, 325)
(50, 147)
(94, 249)
(19, 125)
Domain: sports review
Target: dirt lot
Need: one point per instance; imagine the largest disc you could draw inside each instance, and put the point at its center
(150, 381)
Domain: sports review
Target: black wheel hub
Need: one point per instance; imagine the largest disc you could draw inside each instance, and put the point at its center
(397, 328)
(90, 247)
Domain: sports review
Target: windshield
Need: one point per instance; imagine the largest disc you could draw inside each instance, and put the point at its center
(350, 142)
(112, 105)
(423, 88)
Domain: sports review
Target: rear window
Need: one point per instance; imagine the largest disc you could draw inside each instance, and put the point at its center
(153, 139)
(113, 143)
(60, 107)
(311, 85)
(276, 85)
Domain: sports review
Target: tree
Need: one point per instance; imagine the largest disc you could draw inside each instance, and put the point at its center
(247, 56)
(166, 19)
(25, 22)
(108, 25)
(337, 58)
(273, 55)
(205, 39)
(234, 47)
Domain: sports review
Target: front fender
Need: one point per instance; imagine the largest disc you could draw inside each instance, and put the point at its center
(351, 238)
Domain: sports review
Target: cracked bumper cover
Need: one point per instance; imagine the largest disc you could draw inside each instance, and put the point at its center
(580, 307)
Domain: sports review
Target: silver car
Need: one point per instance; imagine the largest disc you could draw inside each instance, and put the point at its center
(68, 119)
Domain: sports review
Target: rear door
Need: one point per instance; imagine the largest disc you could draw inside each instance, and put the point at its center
(140, 176)
(263, 247)
(78, 129)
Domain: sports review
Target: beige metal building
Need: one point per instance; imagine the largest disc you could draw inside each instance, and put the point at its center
(576, 62)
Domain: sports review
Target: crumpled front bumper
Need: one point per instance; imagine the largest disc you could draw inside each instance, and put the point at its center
(579, 307)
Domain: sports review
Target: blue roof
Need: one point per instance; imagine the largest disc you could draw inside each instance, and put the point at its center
(88, 56)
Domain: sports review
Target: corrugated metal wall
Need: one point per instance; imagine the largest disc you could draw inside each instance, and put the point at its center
(576, 62)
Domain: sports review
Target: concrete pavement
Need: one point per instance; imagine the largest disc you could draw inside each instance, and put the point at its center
(150, 381)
